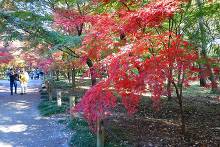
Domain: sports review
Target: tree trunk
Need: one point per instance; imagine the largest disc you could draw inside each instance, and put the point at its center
(100, 133)
(50, 74)
(212, 78)
(202, 78)
(92, 71)
(182, 117)
(169, 94)
(73, 75)
(180, 102)
(214, 84)
(65, 74)
(203, 46)
(53, 73)
(50, 90)
(68, 75)
(57, 75)
(169, 90)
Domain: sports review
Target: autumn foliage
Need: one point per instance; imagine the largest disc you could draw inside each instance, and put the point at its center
(5, 57)
(133, 57)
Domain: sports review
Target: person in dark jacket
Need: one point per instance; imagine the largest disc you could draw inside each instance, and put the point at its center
(13, 78)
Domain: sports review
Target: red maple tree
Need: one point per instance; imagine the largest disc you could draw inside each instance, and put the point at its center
(133, 56)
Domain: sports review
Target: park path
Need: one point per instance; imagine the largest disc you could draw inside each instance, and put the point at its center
(21, 124)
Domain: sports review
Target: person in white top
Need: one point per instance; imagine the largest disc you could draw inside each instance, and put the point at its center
(23, 78)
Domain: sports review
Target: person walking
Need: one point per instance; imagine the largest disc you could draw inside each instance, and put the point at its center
(13, 78)
(23, 78)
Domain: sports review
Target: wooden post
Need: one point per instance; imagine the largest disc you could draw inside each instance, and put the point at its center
(72, 101)
(100, 133)
(59, 101)
(44, 87)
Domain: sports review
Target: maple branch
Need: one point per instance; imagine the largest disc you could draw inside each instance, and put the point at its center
(183, 15)
(67, 4)
(176, 88)
(209, 29)
(181, 84)
(73, 53)
(79, 9)
(178, 26)
(159, 34)
(63, 51)
(125, 5)
(169, 32)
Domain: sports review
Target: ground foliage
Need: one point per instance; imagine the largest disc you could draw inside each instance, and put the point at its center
(162, 127)
(48, 108)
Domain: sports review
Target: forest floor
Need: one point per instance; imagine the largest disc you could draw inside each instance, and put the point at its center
(21, 124)
(161, 127)
(150, 127)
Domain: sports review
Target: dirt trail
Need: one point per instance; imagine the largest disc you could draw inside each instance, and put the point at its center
(20, 122)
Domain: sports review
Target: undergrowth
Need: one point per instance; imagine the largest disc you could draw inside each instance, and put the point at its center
(82, 137)
(48, 108)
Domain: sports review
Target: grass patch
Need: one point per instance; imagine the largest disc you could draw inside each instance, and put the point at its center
(196, 90)
(83, 136)
(62, 85)
(48, 108)
(44, 95)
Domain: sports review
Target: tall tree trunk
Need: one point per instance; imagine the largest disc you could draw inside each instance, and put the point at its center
(92, 71)
(203, 53)
(213, 82)
(50, 74)
(182, 116)
(212, 78)
(202, 78)
(73, 75)
(68, 75)
(169, 91)
(180, 102)
(65, 74)
(203, 47)
(54, 74)
(57, 75)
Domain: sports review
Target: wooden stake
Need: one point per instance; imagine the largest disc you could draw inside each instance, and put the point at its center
(72, 101)
(100, 133)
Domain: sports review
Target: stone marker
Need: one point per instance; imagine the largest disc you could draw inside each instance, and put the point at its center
(72, 101)
(59, 101)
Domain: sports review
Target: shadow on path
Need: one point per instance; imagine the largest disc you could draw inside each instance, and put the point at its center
(20, 122)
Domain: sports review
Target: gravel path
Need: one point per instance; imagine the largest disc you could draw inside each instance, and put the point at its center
(20, 122)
